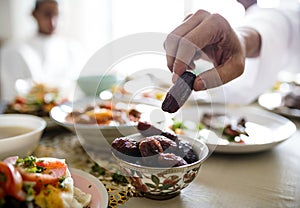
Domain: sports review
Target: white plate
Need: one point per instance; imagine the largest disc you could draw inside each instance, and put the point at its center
(273, 101)
(94, 135)
(265, 129)
(91, 185)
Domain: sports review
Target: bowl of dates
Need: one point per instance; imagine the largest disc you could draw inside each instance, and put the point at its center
(159, 166)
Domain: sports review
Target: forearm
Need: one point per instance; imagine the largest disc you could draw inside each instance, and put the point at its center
(251, 41)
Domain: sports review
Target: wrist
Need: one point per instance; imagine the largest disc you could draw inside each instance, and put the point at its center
(251, 41)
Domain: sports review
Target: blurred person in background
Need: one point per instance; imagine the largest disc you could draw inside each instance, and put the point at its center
(44, 58)
(246, 60)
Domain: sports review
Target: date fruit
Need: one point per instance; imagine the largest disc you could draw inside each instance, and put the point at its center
(147, 129)
(170, 160)
(126, 146)
(179, 92)
(167, 144)
(150, 146)
(186, 152)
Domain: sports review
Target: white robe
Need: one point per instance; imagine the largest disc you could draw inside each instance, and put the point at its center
(45, 59)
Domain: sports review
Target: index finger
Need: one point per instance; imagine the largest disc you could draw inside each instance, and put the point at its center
(173, 39)
(185, 54)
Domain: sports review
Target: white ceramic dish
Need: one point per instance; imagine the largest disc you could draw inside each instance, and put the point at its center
(23, 144)
(94, 135)
(91, 185)
(273, 101)
(265, 129)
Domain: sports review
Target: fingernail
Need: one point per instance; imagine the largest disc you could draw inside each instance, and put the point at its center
(199, 84)
(174, 77)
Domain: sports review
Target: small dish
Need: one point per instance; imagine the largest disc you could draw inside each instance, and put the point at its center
(91, 185)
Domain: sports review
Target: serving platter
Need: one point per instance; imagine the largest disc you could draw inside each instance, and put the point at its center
(91, 185)
(265, 129)
(96, 135)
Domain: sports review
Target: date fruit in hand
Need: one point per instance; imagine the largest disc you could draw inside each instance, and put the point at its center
(179, 92)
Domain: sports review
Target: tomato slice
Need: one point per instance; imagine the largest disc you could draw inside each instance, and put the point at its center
(11, 181)
(20, 100)
(53, 170)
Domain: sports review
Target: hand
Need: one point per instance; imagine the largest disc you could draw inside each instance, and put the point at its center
(212, 35)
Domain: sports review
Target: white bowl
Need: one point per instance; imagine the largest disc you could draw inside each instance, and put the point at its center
(23, 144)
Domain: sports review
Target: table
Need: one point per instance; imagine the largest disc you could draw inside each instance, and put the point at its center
(266, 179)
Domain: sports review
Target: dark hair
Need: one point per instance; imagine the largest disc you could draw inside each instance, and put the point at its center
(39, 2)
(247, 3)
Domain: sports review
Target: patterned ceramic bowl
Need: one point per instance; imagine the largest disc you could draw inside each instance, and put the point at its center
(163, 183)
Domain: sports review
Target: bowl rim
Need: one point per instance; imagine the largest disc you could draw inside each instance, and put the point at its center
(98, 126)
(136, 166)
(42, 126)
(101, 76)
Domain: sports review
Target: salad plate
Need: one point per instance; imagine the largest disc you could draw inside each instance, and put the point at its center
(91, 185)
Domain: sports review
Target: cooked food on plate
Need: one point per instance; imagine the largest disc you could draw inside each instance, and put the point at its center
(231, 128)
(39, 182)
(103, 114)
(38, 101)
(292, 99)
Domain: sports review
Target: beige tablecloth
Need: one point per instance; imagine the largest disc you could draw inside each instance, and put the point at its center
(258, 180)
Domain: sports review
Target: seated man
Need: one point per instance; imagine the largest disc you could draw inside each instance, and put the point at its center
(45, 58)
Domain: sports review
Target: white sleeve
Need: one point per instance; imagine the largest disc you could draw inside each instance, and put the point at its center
(13, 67)
(278, 30)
